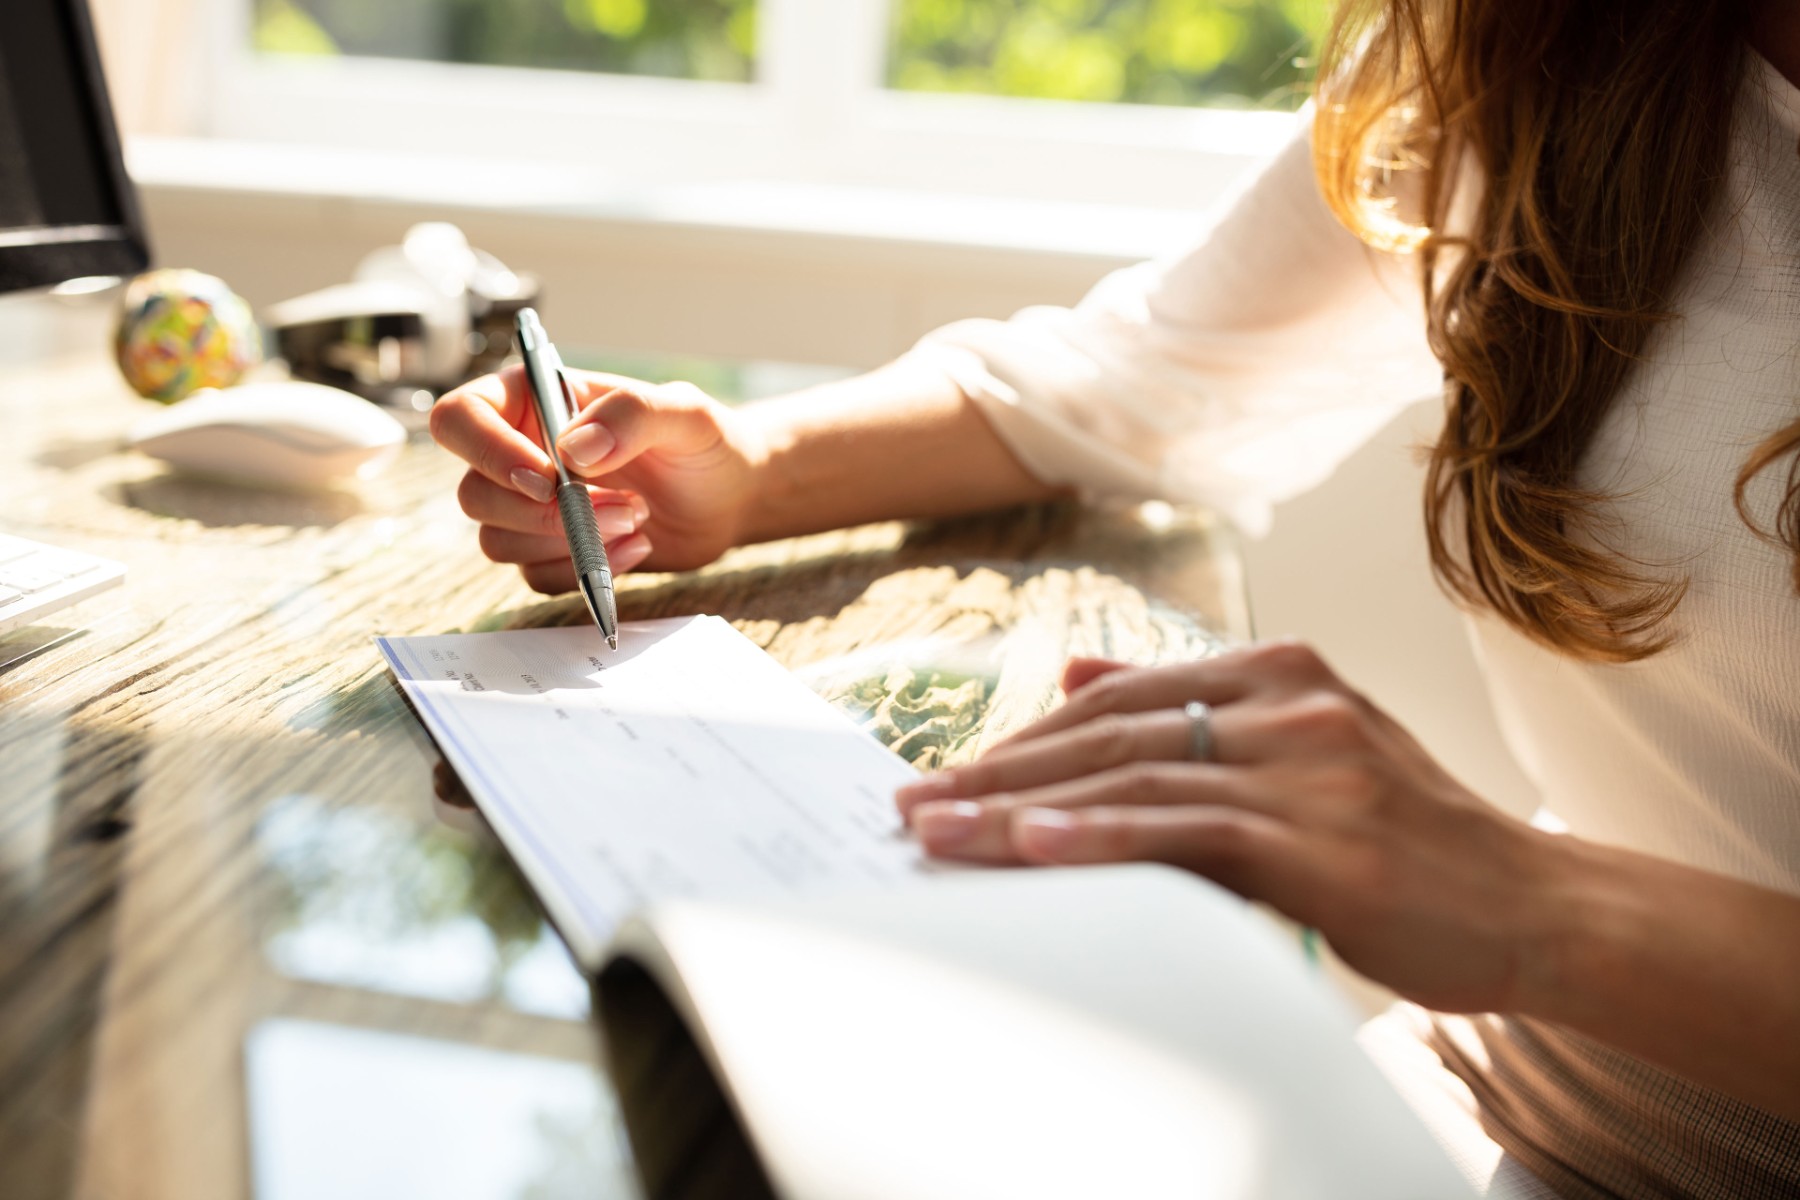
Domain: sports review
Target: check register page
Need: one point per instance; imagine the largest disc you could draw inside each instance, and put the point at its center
(687, 764)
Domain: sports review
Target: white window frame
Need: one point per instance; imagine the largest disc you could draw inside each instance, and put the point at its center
(813, 217)
(819, 113)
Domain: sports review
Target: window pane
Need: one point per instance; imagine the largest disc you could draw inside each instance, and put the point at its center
(1228, 53)
(684, 39)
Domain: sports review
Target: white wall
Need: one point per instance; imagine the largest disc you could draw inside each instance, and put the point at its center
(617, 281)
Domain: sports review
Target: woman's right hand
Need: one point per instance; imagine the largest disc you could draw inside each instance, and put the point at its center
(672, 472)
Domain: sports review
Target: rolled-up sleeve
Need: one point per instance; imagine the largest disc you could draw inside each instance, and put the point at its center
(1235, 374)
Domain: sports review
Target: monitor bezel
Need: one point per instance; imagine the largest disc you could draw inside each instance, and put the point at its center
(125, 248)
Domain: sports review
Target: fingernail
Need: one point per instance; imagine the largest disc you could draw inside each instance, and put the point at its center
(941, 825)
(641, 507)
(1045, 832)
(614, 521)
(526, 480)
(941, 786)
(587, 446)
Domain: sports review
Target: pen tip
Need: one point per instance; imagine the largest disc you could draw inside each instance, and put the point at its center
(612, 640)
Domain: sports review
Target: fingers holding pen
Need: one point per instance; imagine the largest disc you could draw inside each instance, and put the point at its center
(522, 549)
(625, 418)
(618, 525)
(518, 530)
(489, 424)
(617, 513)
(556, 575)
(510, 489)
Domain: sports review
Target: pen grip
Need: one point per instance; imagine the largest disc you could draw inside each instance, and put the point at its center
(585, 546)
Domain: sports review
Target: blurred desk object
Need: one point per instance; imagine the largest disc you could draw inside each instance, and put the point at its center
(240, 952)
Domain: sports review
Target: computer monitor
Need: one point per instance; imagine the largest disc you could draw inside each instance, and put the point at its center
(67, 208)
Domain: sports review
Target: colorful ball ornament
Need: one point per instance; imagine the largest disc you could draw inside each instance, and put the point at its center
(180, 331)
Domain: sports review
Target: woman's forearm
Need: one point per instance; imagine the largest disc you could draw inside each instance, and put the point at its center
(902, 441)
(1695, 971)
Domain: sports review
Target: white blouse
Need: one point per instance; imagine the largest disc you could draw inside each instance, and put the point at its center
(1243, 370)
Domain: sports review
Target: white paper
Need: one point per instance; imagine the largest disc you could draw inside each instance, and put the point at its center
(688, 764)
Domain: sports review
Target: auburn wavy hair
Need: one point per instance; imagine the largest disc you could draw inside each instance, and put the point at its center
(1551, 163)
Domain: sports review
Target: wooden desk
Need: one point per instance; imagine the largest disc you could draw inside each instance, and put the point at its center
(225, 886)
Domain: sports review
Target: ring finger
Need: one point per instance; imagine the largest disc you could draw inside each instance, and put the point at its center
(1217, 681)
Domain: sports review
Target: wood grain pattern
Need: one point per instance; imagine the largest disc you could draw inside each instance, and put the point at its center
(215, 810)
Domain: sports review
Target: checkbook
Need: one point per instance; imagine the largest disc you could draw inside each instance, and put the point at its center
(793, 1003)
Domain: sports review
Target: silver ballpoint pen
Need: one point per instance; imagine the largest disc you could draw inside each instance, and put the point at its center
(555, 408)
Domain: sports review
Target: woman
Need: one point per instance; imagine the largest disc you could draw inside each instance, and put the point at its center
(1585, 221)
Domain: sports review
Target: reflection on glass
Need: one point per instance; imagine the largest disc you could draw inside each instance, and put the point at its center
(1223, 53)
(925, 700)
(682, 39)
(344, 1113)
(366, 898)
(939, 701)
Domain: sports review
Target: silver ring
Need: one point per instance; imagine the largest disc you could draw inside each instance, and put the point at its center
(1200, 733)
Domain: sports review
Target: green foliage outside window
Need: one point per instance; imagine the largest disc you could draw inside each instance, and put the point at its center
(1219, 52)
(1236, 53)
(685, 39)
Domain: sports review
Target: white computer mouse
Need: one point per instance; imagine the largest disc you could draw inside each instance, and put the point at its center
(288, 434)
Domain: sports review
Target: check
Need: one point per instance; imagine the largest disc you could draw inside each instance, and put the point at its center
(688, 764)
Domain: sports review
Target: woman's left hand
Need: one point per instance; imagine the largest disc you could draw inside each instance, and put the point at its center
(1312, 801)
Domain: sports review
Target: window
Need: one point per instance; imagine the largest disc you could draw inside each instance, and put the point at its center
(1121, 102)
(683, 39)
(1234, 53)
(1231, 53)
